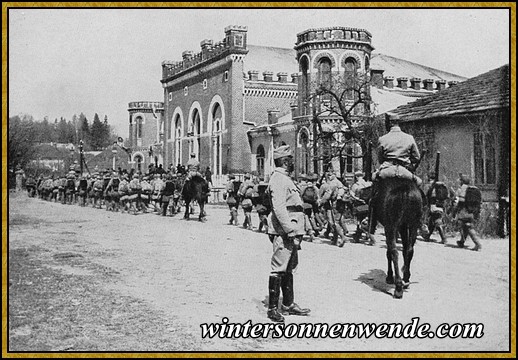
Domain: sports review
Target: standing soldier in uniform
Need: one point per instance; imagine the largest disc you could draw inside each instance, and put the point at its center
(285, 229)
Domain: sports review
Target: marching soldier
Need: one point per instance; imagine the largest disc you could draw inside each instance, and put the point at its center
(436, 193)
(262, 204)
(98, 186)
(467, 211)
(134, 193)
(158, 188)
(232, 198)
(124, 193)
(145, 196)
(30, 184)
(111, 193)
(246, 192)
(329, 196)
(285, 230)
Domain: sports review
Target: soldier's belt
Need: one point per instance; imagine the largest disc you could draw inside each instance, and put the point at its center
(295, 208)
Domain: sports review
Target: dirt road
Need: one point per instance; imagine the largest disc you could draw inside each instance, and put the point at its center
(83, 279)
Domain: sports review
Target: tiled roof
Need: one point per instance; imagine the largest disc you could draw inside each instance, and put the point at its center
(484, 92)
(403, 68)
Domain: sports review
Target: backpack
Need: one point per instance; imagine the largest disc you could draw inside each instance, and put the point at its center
(473, 199)
(441, 191)
(309, 195)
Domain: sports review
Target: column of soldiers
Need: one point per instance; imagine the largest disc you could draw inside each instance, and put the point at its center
(330, 205)
(120, 190)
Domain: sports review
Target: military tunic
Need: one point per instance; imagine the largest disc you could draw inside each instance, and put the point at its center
(285, 222)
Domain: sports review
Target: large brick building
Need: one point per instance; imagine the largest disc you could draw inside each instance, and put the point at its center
(232, 102)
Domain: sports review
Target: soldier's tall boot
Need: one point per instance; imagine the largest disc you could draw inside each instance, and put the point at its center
(463, 234)
(288, 304)
(234, 217)
(442, 234)
(474, 236)
(274, 291)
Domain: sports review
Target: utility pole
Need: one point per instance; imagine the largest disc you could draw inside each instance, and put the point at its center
(81, 158)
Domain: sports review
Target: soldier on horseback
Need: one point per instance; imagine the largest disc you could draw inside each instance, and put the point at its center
(193, 169)
(399, 156)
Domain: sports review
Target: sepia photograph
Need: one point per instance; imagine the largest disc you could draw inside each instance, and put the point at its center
(244, 180)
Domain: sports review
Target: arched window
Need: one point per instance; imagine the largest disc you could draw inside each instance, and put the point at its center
(324, 72)
(197, 133)
(304, 152)
(139, 129)
(350, 77)
(138, 161)
(324, 79)
(367, 64)
(260, 155)
(216, 139)
(304, 68)
(177, 140)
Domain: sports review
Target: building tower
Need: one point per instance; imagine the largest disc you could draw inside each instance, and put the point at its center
(327, 55)
(146, 131)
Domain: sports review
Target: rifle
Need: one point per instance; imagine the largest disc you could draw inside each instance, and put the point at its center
(419, 161)
(437, 162)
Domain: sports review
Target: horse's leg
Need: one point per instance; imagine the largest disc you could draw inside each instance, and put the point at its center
(187, 212)
(412, 236)
(391, 235)
(404, 231)
(202, 211)
(390, 276)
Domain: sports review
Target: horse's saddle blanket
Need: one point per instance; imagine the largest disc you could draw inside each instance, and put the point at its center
(396, 171)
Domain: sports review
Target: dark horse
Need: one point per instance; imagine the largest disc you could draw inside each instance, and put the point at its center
(195, 189)
(399, 207)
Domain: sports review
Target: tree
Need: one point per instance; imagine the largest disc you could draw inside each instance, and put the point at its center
(44, 131)
(21, 142)
(62, 131)
(344, 100)
(97, 133)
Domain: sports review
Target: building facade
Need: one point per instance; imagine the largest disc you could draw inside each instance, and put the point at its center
(231, 102)
(146, 133)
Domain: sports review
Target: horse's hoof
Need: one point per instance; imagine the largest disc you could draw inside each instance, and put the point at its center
(406, 284)
(398, 294)
(389, 280)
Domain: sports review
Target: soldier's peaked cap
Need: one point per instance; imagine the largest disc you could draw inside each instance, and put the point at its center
(282, 151)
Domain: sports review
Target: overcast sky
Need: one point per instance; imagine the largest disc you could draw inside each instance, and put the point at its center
(67, 61)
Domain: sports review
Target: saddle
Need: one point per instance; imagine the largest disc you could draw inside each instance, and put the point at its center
(397, 171)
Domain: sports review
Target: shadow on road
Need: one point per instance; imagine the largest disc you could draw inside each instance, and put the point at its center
(375, 278)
